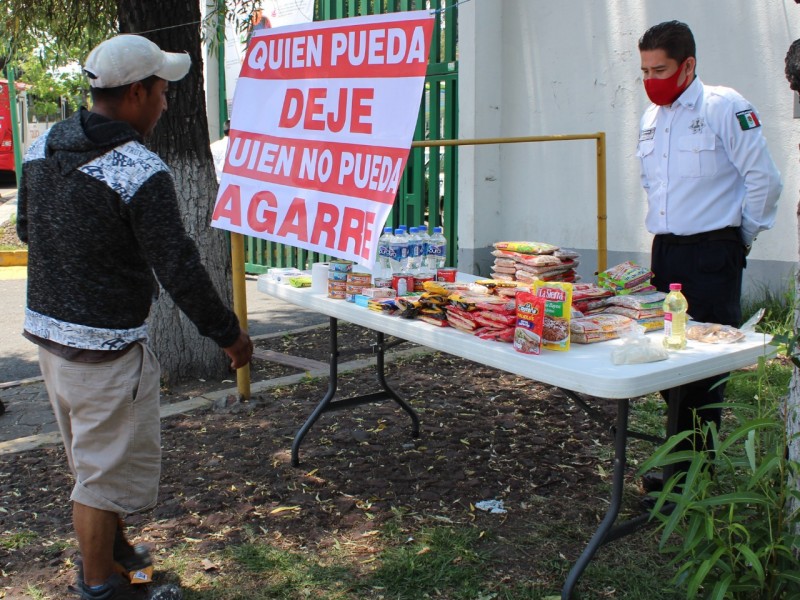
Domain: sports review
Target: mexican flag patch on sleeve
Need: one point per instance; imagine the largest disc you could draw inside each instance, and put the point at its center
(748, 119)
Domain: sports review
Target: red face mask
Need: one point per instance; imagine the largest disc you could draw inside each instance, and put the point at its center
(665, 91)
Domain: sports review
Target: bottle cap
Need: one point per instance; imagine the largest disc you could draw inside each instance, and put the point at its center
(387, 230)
(437, 230)
(674, 287)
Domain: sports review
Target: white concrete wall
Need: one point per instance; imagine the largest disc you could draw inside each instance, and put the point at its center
(538, 67)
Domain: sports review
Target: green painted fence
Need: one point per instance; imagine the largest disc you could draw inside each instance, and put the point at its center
(428, 194)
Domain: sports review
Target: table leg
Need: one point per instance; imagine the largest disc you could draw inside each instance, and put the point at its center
(618, 479)
(328, 403)
(392, 394)
(333, 370)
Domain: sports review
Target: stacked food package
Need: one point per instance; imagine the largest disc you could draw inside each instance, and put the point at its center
(589, 297)
(533, 261)
(622, 298)
(474, 308)
(646, 309)
(626, 278)
(598, 328)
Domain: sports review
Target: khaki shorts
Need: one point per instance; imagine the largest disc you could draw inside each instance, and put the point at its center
(108, 414)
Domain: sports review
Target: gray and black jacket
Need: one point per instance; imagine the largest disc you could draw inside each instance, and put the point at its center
(100, 216)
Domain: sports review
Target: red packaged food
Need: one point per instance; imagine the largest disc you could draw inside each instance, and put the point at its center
(446, 274)
(530, 321)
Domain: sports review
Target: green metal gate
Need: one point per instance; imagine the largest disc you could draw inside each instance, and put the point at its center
(427, 194)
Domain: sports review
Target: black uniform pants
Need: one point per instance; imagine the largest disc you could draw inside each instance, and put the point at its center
(709, 267)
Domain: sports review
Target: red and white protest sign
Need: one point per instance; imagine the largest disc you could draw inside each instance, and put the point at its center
(322, 123)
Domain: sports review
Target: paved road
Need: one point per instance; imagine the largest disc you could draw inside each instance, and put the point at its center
(28, 409)
(18, 356)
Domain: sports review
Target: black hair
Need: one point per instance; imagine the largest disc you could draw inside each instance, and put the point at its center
(116, 93)
(226, 127)
(793, 65)
(673, 37)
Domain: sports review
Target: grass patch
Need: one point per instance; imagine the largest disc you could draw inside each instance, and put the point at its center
(435, 559)
(287, 575)
(35, 593)
(18, 540)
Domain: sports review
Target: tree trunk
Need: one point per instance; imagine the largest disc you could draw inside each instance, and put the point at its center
(793, 406)
(181, 140)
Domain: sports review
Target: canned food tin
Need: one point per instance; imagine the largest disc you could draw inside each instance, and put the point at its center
(363, 279)
(340, 265)
(337, 276)
(402, 283)
(383, 282)
(446, 274)
(339, 286)
(419, 281)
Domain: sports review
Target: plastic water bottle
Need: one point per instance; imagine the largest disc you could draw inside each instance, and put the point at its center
(384, 253)
(414, 251)
(437, 250)
(424, 240)
(675, 307)
(398, 253)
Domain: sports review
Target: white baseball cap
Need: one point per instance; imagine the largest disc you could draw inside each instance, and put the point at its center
(129, 58)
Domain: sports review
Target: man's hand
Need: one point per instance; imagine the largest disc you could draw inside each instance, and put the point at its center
(241, 351)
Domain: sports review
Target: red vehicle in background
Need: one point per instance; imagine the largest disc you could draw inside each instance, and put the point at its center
(6, 131)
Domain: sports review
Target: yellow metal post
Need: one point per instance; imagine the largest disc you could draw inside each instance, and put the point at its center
(600, 137)
(240, 306)
(602, 217)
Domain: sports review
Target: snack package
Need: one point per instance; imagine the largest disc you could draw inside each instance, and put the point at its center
(557, 313)
(530, 321)
(598, 328)
(624, 276)
(527, 247)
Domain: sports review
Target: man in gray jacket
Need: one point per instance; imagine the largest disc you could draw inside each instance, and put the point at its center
(99, 213)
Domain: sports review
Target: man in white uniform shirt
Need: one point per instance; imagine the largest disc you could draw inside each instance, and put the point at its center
(711, 186)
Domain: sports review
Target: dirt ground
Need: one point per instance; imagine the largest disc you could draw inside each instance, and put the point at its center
(8, 235)
(484, 435)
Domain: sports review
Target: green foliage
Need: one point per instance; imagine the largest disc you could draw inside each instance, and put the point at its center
(728, 529)
(58, 25)
(17, 541)
(438, 558)
(292, 575)
(52, 82)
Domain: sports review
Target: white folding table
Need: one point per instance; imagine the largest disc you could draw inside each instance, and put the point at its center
(584, 369)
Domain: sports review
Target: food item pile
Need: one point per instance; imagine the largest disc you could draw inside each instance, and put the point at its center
(647, 309)
(532, 300)
(533, 261)
(598, 328)
(626, 278)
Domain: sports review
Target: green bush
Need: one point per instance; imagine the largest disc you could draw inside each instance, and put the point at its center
(725, 519)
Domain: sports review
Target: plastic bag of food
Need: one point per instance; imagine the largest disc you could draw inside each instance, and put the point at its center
(714, 333)
(598, 328)
(624, 276)
(637, 348)
(527, 247)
